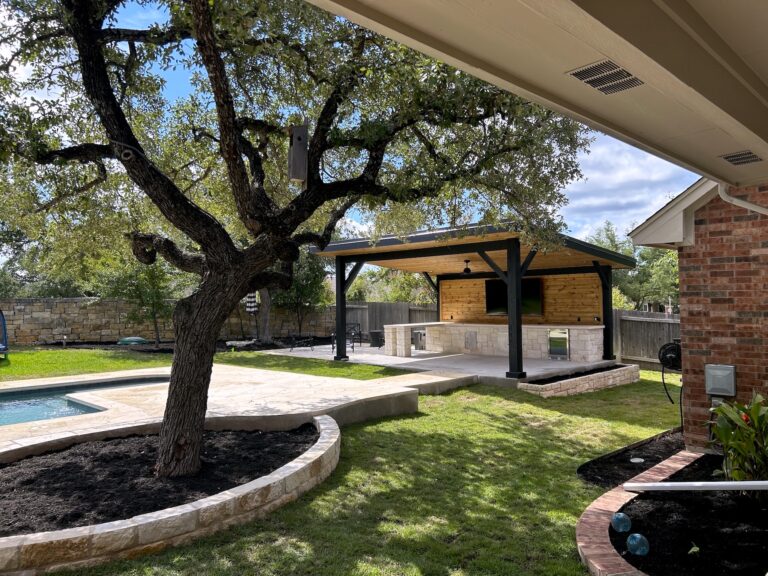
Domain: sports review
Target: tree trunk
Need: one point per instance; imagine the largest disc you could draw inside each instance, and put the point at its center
(265, 334)
(197, 321)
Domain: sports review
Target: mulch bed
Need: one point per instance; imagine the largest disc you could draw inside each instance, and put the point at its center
(729, 529)
(111, 480)
(616, 468)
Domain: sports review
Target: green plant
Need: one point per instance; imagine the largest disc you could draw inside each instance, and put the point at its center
(742, 431)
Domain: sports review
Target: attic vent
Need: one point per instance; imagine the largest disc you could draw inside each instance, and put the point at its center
(607, 76)
(743, 157)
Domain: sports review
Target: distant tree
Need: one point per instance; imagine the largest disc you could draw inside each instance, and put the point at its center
(655, 279)
(148, 289)
(620, 301)
(309, 290)
(388, 285)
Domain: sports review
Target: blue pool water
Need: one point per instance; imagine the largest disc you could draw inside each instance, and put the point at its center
(27, 406)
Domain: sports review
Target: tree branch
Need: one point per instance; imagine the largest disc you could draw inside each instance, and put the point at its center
(155, 36)
(79, 153)
(100, 178)
(181, 212)
(322, 239)
(251, 203)
(146, 247)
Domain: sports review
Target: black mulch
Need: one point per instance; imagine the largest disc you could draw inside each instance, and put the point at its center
(111, 480)
(701, 533)
(616, 468)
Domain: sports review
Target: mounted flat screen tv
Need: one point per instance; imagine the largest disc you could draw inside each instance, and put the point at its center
(496, 297)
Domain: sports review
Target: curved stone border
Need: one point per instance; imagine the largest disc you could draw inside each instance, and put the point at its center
(592, 536)
(44, 552)
(623, 374)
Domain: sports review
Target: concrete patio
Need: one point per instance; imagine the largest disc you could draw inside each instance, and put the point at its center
(280, 400)
(487, 368)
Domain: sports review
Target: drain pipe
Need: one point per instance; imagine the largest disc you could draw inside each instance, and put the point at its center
(744, 485)
(722, 191)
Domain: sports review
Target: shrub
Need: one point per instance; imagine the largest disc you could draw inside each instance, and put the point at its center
(742, 430)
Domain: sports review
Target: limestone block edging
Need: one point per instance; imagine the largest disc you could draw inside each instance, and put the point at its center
(625, 374)
(31, 554)
(592, 537)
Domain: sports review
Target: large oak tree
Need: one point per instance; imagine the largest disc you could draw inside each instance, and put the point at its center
(91, 145)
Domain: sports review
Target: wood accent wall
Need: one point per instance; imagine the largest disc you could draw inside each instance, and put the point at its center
(571, 299)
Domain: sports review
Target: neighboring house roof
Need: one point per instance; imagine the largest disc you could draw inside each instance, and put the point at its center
(672, 226)
(444, 251)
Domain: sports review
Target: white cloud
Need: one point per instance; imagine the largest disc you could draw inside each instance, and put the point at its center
(622, 184)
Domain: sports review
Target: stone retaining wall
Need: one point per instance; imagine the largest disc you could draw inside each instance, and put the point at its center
(626, 374)
(49, 320)
(32, 554)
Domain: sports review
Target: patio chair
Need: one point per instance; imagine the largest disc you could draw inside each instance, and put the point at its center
(304, 340)
(353, 333)
(3, 337)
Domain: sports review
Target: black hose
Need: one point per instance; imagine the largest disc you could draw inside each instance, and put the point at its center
(663, 381)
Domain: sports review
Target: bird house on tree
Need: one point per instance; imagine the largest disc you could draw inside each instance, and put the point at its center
(297, 153)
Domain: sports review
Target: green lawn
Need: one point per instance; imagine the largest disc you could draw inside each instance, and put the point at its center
(482, 481)
(46, 362)
(307, 365)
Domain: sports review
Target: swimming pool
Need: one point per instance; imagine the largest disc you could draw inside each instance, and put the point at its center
(44, 404)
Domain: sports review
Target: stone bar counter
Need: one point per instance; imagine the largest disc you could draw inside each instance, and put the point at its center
(585, 341)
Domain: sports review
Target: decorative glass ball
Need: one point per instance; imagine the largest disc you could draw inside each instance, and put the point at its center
(638, 545)
(621, 522)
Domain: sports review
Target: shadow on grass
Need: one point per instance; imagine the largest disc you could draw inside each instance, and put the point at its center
(482, 483)
(312, 366)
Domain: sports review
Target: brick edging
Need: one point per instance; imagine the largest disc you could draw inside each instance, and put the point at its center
(592, 537)
(43, 552)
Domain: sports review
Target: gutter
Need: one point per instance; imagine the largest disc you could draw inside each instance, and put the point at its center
(722, 191)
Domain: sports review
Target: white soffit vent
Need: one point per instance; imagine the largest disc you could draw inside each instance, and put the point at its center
(743, 157)
(607, 76)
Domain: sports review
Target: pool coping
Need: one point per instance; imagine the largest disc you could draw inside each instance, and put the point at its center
(593, 540)
(43, 552)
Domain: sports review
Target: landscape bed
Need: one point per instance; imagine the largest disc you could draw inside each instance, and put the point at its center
(610, 470)
(109, 480)
(716, 533)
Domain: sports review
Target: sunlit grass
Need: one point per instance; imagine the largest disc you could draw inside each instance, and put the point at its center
(33, 362)
(311, 366)
(481, 482)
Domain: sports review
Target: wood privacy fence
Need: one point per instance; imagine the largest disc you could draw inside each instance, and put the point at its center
(637, 336)
(374, 315)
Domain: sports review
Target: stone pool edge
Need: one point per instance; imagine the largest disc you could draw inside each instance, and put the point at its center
(44, 552)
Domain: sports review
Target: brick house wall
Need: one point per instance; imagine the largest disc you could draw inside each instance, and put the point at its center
(724, 304)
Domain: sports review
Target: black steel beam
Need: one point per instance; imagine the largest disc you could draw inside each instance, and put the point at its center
(493, 266)
(606, 284)
(453, 249)
(431, 282)
(515, 310)
(352, 275)
(527, 262)
(528, 273)
(341, 310)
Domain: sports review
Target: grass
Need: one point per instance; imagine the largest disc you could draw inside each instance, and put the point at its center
(307, 365)
(46, 362)
(35, 362)
(481, 482)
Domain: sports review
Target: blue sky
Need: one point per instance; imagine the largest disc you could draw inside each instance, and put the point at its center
(621, 183)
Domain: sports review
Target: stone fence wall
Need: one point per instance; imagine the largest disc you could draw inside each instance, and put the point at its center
(48, 320)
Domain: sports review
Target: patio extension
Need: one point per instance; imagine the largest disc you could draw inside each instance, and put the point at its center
(279, 399)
